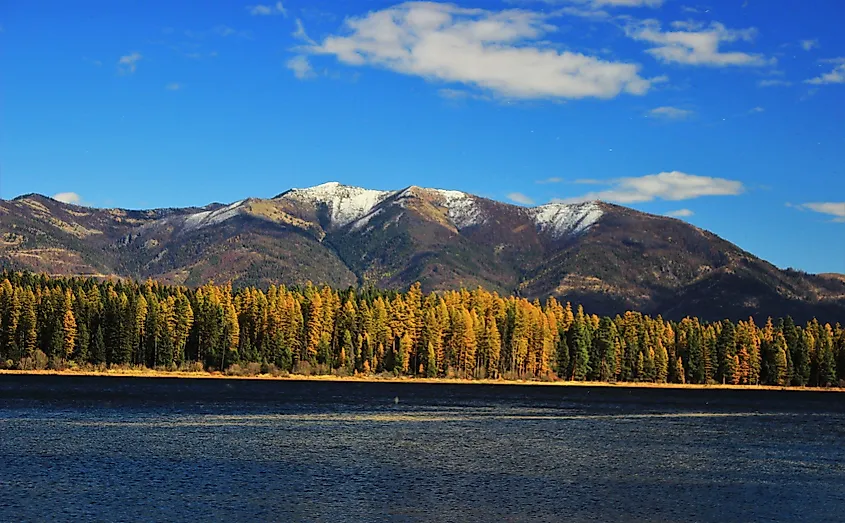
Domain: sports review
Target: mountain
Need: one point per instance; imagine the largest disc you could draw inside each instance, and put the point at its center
(607, 257)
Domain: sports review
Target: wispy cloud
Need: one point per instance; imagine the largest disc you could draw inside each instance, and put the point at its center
(774, 83)
(173, 86)
(693, 43)
(553, 179)
(498, 51)
(300, 33)
(670, 113)
(68, 197)
(127, 64)
(835, 76)
(670, 186)
(594, 4)
(593, 9)
(626, 3)
(268, 10)
(808, 45)
(301, 67)
(756, 110)
(226, 31)
(680, 213)
(518, 197)
(460, 94)
(835, 209)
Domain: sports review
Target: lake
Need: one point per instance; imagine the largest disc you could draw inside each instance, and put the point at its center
(164, 449)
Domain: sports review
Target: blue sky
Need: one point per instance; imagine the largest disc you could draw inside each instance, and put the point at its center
(729, 114)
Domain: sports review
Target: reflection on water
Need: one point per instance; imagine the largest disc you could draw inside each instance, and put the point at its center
(418, 461)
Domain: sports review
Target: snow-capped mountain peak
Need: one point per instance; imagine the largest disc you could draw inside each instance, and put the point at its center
(562, 219)
(346, 204)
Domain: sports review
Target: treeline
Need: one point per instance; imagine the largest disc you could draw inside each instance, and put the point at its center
(474, 334)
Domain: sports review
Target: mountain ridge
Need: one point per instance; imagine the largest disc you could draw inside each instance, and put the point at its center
(608, 257)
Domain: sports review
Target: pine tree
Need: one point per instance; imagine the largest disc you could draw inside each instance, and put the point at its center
(314, 328)
(27, 334)
(780, 374)
(679, 371)
(826, 360)
(430, 361)
(661, 363)
(605, 343)
(402, 363)
(98, 348)
(9, 316)
(579, 344)
(69, 333)
(494, 347)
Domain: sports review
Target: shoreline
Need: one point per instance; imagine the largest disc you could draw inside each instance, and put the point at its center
(132, 373)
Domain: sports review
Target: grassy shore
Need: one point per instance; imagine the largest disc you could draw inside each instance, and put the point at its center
(150, 373)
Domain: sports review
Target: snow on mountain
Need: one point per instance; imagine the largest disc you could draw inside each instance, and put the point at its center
(356, 206)
(346, 204)
(462, 208)
(206, 218)
(560, 219)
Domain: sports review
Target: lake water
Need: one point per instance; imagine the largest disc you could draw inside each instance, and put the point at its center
(129, 449)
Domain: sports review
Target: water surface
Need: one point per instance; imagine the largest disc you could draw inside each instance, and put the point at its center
(129, 449)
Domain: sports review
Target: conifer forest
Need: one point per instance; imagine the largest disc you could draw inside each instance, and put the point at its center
(94, 324)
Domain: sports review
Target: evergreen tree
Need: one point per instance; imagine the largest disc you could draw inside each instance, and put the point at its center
(430, 361)
(69, 334)
(579, 355)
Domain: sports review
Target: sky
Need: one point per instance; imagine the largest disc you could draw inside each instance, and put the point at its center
(728, 114)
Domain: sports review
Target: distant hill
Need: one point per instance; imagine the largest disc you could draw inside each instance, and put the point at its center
(607, 257)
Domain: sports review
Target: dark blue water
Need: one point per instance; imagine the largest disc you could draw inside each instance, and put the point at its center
(128, 449)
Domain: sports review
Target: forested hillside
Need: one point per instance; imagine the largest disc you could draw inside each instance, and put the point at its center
(88, 323)
(606, 257)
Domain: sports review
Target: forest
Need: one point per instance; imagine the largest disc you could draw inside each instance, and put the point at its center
(82, 323)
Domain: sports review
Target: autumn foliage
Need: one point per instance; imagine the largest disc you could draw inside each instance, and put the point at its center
(469, 334)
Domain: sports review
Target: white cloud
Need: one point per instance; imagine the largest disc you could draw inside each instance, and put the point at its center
(268, 10)
(553, 179)
(680, 213)
(692, 43)
(518, 197)
(597, 9)
(458, 94)
(773, 83)
(836, 76)
(670, 186)
(173, 86)
(756, 110)
(128, 63)
(627, 3)
(300, 33)
(835, 209)
(68, 197)
(595, 4)
(807, 45)
(581, 12)
(225, 31)
(671, 113)
(301, 67)
(499, 51)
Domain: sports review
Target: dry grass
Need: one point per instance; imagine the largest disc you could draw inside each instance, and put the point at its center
(150, 373)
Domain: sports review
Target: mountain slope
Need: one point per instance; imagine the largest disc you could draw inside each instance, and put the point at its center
(609, 258)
